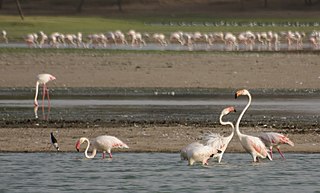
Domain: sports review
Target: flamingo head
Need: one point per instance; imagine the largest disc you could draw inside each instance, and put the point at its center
(228, 110)
(52, 77)
(286, 140)
(79, 142)
(242, 92)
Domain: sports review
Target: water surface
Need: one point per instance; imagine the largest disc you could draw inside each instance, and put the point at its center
(156, 172)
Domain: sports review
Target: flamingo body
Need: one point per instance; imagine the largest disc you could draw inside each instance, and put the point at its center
(43, 79)
(103, 143)
(273, 139)
(200, 153)
(184, 150)
(216, 142)
(252, 145)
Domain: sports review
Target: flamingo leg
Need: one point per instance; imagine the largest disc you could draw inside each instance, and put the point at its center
(47, 92)
(103, 155)
(280, 153)
(110, 155)
(43, 94)
(271, 155)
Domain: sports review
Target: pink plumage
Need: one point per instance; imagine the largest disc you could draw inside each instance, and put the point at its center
(273, 139)
(103, 143)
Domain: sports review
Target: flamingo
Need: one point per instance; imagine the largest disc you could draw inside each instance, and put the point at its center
(54, 141)
(201, 153)
(253, 145)
(43, 79)
(220, 142)
(214, 140)
(104, 143)
(273, 139)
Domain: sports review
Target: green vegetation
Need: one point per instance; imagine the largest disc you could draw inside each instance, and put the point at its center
(17, 28)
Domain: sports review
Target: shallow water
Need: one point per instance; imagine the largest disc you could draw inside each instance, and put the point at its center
(156, 172)
(284, 111)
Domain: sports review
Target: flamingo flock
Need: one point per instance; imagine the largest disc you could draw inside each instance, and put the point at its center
(257, 146)
(246, 40)
(214, 147)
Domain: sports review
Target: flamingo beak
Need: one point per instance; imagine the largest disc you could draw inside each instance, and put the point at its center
(236, 96)
(78, 145)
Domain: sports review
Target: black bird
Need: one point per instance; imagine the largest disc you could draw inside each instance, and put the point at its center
(54, 141)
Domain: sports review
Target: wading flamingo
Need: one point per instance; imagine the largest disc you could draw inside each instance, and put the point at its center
(43, 79)
(220, 142)
(201, 153)
(273, 139)
(215, 140)
(103, 143)
(251, 144)
(54, 141)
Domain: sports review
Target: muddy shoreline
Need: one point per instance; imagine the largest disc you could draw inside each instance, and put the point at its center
(140, 70)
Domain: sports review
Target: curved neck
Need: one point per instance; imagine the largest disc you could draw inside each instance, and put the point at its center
(94, 152)
(227, 123)
(37, 90)
(241, 115)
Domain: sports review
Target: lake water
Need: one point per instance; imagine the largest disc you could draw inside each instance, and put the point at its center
(156, 172)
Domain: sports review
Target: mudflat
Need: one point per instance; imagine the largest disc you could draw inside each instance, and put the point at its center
(180, 70)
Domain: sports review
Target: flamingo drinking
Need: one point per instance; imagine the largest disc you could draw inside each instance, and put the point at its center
(103, 143)
(273, 139)
(43, 79)
(251, 144)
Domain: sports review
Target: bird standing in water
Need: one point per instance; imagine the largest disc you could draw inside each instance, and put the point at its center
(43, 79)
(54, 142)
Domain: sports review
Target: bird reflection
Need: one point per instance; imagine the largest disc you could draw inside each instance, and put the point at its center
(45, 115)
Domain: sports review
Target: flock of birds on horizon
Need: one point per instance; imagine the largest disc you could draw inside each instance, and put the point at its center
(215, 144)
(245, 40)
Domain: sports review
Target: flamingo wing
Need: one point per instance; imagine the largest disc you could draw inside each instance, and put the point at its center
(108, 142)
(258, 146)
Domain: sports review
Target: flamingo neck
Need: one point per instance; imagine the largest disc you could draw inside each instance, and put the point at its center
(227, 123)
(36, 95)
(94, 152)
(241, 115)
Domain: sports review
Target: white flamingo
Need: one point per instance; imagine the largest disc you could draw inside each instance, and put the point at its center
(220, 142)
(43, 79)
(201, 153)
(103, 143)
(273, 139)
(253, 145)
(214, 140)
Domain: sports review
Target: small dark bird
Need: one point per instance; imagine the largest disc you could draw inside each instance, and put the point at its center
(54, 141)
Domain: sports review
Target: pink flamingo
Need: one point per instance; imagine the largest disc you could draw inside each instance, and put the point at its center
(273, 139)
(251, 144)
(201, 153)
(103, 143)
(43, 79)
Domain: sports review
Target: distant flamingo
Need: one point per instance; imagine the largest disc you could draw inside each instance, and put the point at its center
(251, 144)
(54, 141)
(43, 79)
(273, 139)
(103, 143)
(220, 142)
